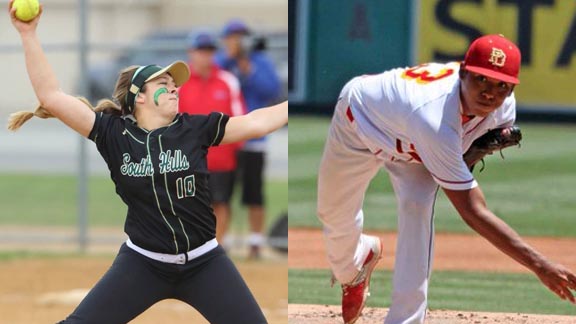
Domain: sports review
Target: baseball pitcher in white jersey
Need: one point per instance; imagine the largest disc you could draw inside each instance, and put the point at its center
(417, 123)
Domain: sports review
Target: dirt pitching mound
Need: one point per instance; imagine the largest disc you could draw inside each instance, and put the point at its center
(307, 251)
(326, 314)
(46, 290)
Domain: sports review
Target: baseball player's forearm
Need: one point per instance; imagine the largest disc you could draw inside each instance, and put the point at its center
(556, 277)
(506, 239)
(472, 207)
(256, 124)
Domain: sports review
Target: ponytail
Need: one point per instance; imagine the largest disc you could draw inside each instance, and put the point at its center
(118, 107)
(18, 119)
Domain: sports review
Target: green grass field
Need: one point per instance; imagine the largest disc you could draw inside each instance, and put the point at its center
(532, 189)
(491, 292)
(50, 200)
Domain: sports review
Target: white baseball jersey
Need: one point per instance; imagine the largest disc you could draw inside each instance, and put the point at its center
(414, 115)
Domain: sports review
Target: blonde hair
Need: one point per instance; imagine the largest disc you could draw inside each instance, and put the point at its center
(116, 106)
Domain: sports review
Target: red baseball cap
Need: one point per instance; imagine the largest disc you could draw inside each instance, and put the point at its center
(494, 56)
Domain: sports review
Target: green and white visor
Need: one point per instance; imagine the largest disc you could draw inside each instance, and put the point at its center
(178, 70)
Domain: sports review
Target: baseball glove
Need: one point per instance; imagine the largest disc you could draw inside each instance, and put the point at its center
(494, 140)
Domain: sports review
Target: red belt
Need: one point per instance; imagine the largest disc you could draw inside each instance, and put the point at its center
(349, 114)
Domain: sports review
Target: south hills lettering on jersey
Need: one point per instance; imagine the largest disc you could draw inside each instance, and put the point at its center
(142, 169)
(168, 163)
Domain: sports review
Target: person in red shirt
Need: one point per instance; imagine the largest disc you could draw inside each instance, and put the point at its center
(211, 89)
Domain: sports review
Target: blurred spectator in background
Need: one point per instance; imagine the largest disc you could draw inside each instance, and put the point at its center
(246, 58)
(211, 89)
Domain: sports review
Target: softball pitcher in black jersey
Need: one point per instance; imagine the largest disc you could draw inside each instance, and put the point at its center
(157, 160)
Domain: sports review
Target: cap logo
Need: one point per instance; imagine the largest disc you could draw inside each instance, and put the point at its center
(497, 57)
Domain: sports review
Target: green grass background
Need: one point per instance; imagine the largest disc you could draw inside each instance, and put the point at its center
(50, 200)
(489, 292)
(532, 189)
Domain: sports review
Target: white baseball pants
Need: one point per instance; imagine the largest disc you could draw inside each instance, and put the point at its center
(346, 170)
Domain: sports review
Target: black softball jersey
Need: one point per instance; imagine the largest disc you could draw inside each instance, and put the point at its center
(162, 177)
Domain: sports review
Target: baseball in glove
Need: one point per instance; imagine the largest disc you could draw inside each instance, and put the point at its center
(494, 140)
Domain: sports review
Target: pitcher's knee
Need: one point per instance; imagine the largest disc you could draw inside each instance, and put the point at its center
(324, 212)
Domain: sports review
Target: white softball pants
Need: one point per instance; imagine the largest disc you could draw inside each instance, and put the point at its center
(346, 170)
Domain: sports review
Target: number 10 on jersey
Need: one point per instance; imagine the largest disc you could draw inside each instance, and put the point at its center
(186, 187)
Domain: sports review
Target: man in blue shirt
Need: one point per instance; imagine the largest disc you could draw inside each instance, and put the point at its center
(260, 86)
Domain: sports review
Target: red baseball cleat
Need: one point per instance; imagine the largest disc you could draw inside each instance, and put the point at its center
(354, 294)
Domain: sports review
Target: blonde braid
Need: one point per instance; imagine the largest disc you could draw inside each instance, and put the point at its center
(18, 119)
(107, 106)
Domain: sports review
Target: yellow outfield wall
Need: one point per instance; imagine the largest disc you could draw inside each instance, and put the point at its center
(545, 31)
